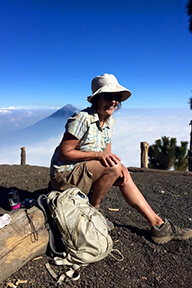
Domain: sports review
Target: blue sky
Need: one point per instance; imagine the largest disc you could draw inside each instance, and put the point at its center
(51, 49)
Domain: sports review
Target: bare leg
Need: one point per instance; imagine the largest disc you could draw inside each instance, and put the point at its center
(105, 177)
(135, 199)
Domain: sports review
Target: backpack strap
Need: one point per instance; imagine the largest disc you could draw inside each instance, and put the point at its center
(115, 252)
(41, 201)
(70, 271)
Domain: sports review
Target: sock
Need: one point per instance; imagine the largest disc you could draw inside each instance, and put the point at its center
(159, 227)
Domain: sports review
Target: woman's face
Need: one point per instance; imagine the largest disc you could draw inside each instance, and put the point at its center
(106, 104)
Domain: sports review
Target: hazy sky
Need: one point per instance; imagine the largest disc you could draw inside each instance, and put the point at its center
(51, 49)
(138, 125)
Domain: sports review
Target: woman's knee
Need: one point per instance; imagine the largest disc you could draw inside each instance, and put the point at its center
(115, 170)
(98, 170)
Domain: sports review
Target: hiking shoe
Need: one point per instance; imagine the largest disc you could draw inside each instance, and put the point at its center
(168, 231)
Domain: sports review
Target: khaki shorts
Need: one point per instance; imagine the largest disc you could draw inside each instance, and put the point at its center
(80, 176)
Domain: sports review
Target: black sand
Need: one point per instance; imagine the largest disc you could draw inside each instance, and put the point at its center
(146, 264)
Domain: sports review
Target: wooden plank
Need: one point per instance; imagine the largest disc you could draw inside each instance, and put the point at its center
(18, 244)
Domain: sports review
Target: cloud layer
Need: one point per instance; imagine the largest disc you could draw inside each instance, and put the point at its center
(135, 126)
(132, 127)
(12, 118)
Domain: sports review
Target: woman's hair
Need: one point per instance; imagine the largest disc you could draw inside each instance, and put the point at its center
(95, 100)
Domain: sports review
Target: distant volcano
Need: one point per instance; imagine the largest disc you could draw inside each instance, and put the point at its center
(65, 112)
(51, 126)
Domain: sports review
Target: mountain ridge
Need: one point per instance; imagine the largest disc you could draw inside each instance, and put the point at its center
(50, 126)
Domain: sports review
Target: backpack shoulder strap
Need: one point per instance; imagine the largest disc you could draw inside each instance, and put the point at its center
(41, 201)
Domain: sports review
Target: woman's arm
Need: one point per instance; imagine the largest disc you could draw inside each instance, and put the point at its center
(68, 151)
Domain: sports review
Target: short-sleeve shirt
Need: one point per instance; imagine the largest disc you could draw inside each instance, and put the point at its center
(85, 126)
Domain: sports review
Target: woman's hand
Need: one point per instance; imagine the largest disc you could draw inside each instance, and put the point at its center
(108, 159)
(124, 174)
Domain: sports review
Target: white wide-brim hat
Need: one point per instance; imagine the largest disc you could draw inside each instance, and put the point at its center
(107, 83)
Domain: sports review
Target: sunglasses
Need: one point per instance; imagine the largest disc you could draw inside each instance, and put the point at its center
(110, 97)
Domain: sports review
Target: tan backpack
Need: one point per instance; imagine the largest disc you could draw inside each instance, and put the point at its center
(83, 228)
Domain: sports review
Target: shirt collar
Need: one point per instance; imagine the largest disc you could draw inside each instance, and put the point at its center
(95, 118)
